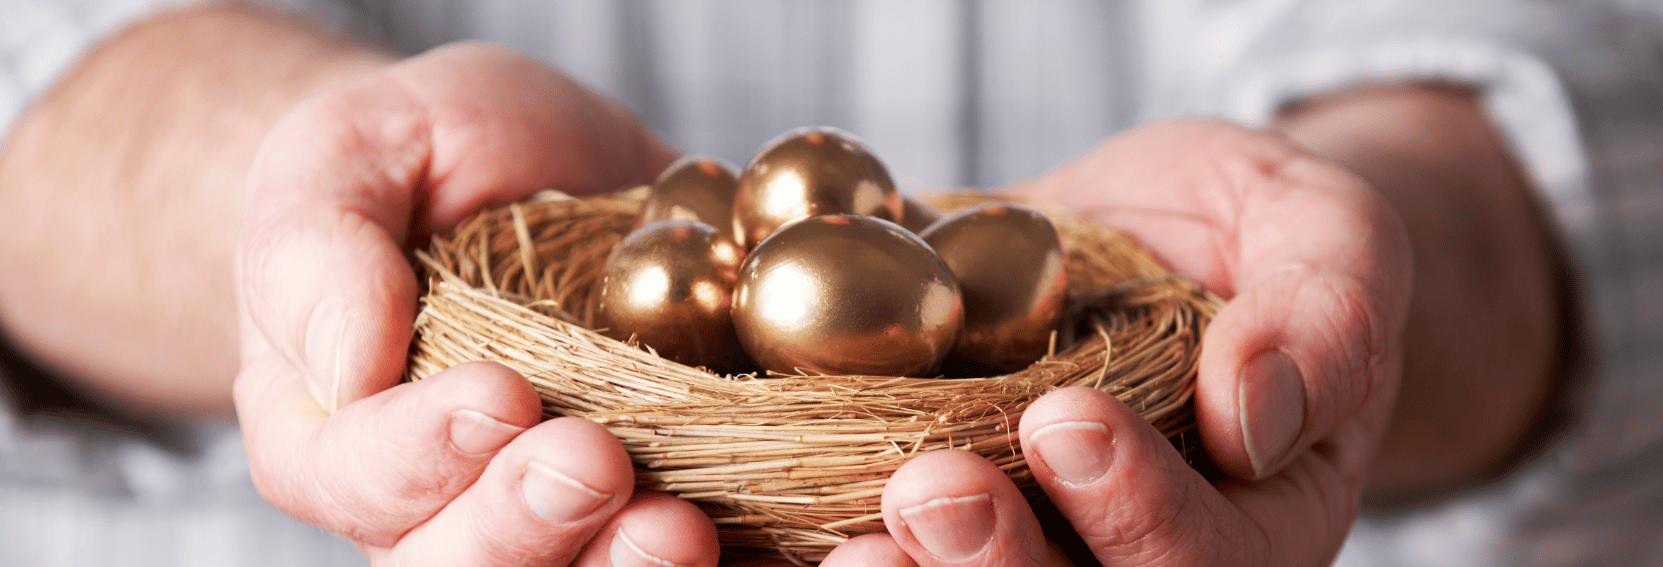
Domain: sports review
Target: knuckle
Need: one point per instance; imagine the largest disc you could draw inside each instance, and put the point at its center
(1363, 347)
(1145, 534)
(379, 120)
(391, 485)
(419, 466)
(1137, 523)
(499, 546)
(347, 510)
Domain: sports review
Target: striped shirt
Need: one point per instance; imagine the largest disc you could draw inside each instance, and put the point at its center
(979, 93)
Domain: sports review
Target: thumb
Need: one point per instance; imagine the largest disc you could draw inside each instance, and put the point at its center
(343, 182)
(1315, 265)
(1135, 502)
(1311, 338)
(321, 275)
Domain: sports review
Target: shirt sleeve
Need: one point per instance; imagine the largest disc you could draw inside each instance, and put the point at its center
(1245, 60)
(1574, 88)
(40, 40)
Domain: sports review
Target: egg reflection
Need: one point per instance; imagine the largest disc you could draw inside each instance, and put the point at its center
(786, 304)
(809, 172)
(846, 294)
(669, 284)
(1011, 270)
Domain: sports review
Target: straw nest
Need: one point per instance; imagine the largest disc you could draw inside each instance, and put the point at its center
(795, 463)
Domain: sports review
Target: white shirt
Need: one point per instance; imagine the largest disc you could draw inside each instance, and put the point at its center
(980, 93)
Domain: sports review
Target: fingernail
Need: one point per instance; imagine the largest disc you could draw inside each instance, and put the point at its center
(624, 553)
(1272, 399)
(559, 498)
(952, 529)
(325, 329)
(474, 433)
(1078, 452)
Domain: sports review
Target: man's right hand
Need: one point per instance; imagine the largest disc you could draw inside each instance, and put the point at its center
(455, 469)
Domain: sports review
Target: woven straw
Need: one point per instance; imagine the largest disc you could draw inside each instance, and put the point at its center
(796, 463)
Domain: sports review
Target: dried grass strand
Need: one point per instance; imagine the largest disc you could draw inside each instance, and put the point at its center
(796, 463)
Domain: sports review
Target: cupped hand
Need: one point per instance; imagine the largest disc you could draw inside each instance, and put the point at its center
(1297, 378)
(456, 469)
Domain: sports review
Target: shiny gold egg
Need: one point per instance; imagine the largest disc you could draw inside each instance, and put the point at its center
(669, 284)
(693, 188)
(846, 295)
(809, 172)
(1011, 270)
(917, 215)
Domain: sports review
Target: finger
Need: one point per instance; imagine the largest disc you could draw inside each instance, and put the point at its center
(495, 146)
(1315, 264)
(955, 508)
(870, 550)
(338, 183)
(377, 468)
(1176, 186)
(1136, 503)
(656, 531)
(539, 502)
(1313, 338)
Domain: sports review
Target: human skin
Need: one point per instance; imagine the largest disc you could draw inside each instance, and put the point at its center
(1296, 378)
(240, 138)
(1484, 351)
(1480, 347)
(159, 137)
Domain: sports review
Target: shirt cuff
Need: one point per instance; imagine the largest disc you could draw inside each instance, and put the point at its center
(1521, 93)
(41, 39)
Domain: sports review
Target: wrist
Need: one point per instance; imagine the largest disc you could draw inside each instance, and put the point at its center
(120, 188)
(1482, 342)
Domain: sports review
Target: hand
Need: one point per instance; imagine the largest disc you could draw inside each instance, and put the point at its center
(1296, 385)
(456, 469)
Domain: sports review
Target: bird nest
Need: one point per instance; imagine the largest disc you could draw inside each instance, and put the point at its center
(795, 463)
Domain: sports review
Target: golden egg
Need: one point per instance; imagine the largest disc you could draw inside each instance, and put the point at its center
(693, 188)
(846, 295)
(670, 285)
(1011, 270)
(809, 172)
(916, 215)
